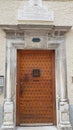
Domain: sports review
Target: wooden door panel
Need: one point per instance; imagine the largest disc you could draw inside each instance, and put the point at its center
(35, 87)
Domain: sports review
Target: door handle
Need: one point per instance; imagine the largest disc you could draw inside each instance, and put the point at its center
(21, 88)
(25, 79)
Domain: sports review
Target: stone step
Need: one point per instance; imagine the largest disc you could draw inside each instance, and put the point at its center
(37, 128)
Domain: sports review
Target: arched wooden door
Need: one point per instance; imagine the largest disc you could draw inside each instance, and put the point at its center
(35, 103)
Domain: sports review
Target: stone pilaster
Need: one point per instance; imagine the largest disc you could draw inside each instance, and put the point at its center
(63, 103)
(8, 104)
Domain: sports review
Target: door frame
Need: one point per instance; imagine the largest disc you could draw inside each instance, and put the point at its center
(19, 44)
(54, 38)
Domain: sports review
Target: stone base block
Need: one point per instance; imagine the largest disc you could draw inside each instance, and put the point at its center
(8, 116)
(7, 128)
(65, 128)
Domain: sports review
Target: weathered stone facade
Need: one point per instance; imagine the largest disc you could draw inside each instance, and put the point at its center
(10, 27)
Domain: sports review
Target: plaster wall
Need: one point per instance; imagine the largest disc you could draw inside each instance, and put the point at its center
(63, 12)
(63, 15)
(2, 67)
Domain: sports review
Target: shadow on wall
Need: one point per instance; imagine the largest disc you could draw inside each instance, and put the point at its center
(1, 112)
(71, 114)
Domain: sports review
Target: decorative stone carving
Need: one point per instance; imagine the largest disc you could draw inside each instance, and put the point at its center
(35, 11)
(29, 44)
(35, 2)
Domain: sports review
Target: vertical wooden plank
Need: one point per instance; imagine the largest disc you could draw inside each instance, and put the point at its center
(17, 89)
(54, 88)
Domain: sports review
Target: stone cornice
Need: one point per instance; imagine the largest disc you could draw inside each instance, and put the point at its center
(50, 29)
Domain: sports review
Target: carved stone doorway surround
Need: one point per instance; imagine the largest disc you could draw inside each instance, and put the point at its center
(20, 37)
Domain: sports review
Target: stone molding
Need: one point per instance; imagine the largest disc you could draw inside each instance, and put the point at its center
(54, 39)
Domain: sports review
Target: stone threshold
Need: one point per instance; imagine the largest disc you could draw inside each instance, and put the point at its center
(37, 128)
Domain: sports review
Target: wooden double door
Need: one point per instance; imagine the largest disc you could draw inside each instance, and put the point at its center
(35, 92)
